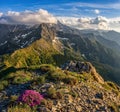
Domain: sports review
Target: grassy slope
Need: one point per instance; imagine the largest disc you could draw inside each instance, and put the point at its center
(40, 52)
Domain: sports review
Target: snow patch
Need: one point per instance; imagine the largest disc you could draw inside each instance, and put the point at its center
(25, 35)
(60, 38)
(72, 44)
(3, 43)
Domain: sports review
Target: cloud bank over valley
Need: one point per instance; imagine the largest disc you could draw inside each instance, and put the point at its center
(43, 16)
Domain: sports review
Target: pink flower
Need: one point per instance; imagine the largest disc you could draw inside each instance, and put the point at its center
(30, 97)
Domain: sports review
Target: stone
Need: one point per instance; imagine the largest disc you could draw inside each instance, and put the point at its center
(54, 109)
(99, 95)
(78, 108)
(47, 85)
(43, 109)
(68, 99)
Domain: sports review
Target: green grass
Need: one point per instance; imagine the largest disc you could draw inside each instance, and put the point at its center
(59, 75)
(20, 77)
(20, 108)
(40, 52)
(55, 74)
(41, 80)
(55, 93)
(3, 84)
(15, 77)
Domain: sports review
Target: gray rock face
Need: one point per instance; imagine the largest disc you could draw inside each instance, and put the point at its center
(23, 36)
(77, 66)
(81, 67)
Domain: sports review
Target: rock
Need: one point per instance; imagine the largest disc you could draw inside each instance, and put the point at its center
(43, 109)
(1, 95)
(96, 76)
(99, 95)
(80, 67)
(66, 90)
(47, 85)
(76, 66)
(78, 108)
(68, 99)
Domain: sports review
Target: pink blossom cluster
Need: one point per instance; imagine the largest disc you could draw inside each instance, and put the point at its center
(30, 97)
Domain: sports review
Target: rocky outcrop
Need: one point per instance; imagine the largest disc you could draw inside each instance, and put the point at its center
(47, 32)
(89, 95)
(80, 67)
(80, 98)
(96, 76)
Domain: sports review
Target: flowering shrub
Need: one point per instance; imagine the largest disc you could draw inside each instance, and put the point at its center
(30, 97)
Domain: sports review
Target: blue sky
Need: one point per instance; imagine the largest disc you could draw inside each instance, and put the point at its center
(82, 14)
(76, 8)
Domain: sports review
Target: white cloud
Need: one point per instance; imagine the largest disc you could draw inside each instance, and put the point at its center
(96, 11)
(13, 13)
(99, 19)
(1, 14)
(93, 5)
(42, 16)
(3, 21)
(84, 20)
(99, 22)
(28, 17)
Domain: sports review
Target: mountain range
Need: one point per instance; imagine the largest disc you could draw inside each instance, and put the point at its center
(58, 41)
(57, 60)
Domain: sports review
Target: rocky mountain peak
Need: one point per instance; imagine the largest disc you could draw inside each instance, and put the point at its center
(17, 37)
(47, 31)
